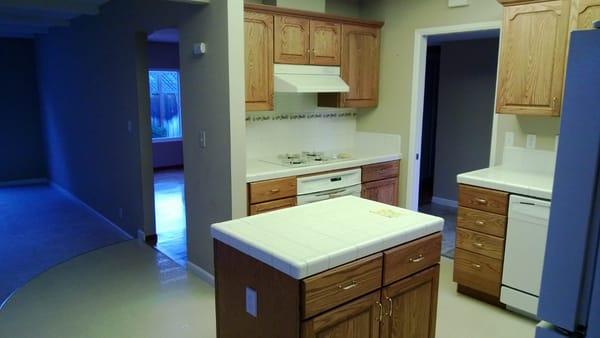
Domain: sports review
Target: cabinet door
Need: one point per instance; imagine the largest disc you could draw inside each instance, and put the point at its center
(532, 59)
(292, 40)
(325, 43)
(261, 208)
(358, 319)
(384, 191)
(584, 13)
(360, 66)
(259, 61)
(411, 306)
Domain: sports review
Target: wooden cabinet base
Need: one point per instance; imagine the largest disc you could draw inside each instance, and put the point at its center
(484, 297)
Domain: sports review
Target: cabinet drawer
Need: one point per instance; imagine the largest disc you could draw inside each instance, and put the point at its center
(272, 190)
(478, 272)
(380, 171)
(409, 258)
(337, 286)
(260, 208)
(486, 222)
(483, 199)
(474, 241)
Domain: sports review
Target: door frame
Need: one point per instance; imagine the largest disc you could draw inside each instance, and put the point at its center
(418, 97)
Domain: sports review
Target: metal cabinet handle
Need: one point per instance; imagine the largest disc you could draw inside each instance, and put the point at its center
(380, 318)
(391, 313)
(476, 266)
(276, 190)
(479, 245)
(417, 259)
(351, 285)
(480, 222)
(481, 201)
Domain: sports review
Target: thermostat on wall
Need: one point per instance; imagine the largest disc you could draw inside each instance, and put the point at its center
(458, 3)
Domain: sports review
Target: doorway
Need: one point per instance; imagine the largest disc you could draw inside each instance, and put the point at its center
(456, 120)
(167, 143)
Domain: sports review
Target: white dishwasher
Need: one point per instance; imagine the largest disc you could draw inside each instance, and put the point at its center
(526, 234)
(329, 185)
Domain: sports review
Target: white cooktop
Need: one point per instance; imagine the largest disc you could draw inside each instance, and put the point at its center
(308, 239)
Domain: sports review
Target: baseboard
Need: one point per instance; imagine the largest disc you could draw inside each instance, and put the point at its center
(85, 205)
(444, 201)
(16, 183)
(201, 273)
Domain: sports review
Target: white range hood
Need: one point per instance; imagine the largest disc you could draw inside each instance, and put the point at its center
(309, 79)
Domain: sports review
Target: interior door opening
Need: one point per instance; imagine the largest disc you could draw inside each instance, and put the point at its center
(457, 120)
(167, 143)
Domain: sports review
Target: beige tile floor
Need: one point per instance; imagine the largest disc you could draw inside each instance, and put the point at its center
(129, 290)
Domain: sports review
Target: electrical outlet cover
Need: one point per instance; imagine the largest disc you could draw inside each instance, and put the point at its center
(531, 139)
(509, 139)
(251, 306)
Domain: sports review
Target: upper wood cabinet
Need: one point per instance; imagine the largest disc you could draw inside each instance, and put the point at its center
(360, 66)
(533, 58)
(304, 41)
(584, 13)
(325, 39)
(292, 40)
(258, 29)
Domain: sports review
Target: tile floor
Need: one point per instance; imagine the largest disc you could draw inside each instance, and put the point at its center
(42, 226)
(130, 290)
(449, 233)
(170, 214)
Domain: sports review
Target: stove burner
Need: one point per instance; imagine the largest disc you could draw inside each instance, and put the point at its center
(296, 161)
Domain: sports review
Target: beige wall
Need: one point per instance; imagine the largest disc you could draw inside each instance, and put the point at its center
(402, 18)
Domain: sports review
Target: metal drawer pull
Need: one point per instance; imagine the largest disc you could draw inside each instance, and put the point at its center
(482, 201)
(417, 259)
(276, 190)
(380, 311)
(479, 245)
(352, 285)
(391, 307)
(480, 222)
(476, 266)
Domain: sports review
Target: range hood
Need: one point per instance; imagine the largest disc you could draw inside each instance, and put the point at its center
(309, 79)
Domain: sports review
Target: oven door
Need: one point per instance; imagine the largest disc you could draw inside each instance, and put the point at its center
(354, 190)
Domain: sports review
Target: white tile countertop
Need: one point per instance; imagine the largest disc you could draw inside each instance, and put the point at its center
(309, 239)
(534, 184)
(257, 170)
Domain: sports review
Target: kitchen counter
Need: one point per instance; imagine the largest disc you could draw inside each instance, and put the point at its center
(312, 238)
(522, 182)
(257, 170)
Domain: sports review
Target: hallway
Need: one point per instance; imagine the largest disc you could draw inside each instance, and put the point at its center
(41, 227)
(169, 199)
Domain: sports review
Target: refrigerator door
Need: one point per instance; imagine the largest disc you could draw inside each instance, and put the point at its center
(565, 292)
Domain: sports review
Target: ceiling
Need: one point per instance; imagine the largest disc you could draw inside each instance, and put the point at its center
(26, 18)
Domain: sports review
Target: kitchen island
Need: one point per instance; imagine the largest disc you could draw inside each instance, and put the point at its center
(345, 267)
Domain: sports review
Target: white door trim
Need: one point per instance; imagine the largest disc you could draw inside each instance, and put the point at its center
(418, 94)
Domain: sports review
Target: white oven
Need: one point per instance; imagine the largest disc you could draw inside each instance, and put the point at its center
(330, 185)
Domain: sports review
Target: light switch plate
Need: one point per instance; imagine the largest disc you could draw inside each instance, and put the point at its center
(509, 139)
(531, 139)
(251, 306)
(458, 3)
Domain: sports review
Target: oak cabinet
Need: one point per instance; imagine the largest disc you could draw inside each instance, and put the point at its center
(384, 191)
(325, 39)
(358, 319)
(411, 306)
(261, 208)
(360, 66)
(584, 13)
(258, 29)
(292, 40)
(533, 57)
(380, 182)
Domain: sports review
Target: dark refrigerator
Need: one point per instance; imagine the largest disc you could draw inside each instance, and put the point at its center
(570, 293)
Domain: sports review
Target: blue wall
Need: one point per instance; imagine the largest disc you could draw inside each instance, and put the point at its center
(22, 154)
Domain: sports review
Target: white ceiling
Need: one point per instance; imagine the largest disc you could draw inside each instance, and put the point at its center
(26, 18)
